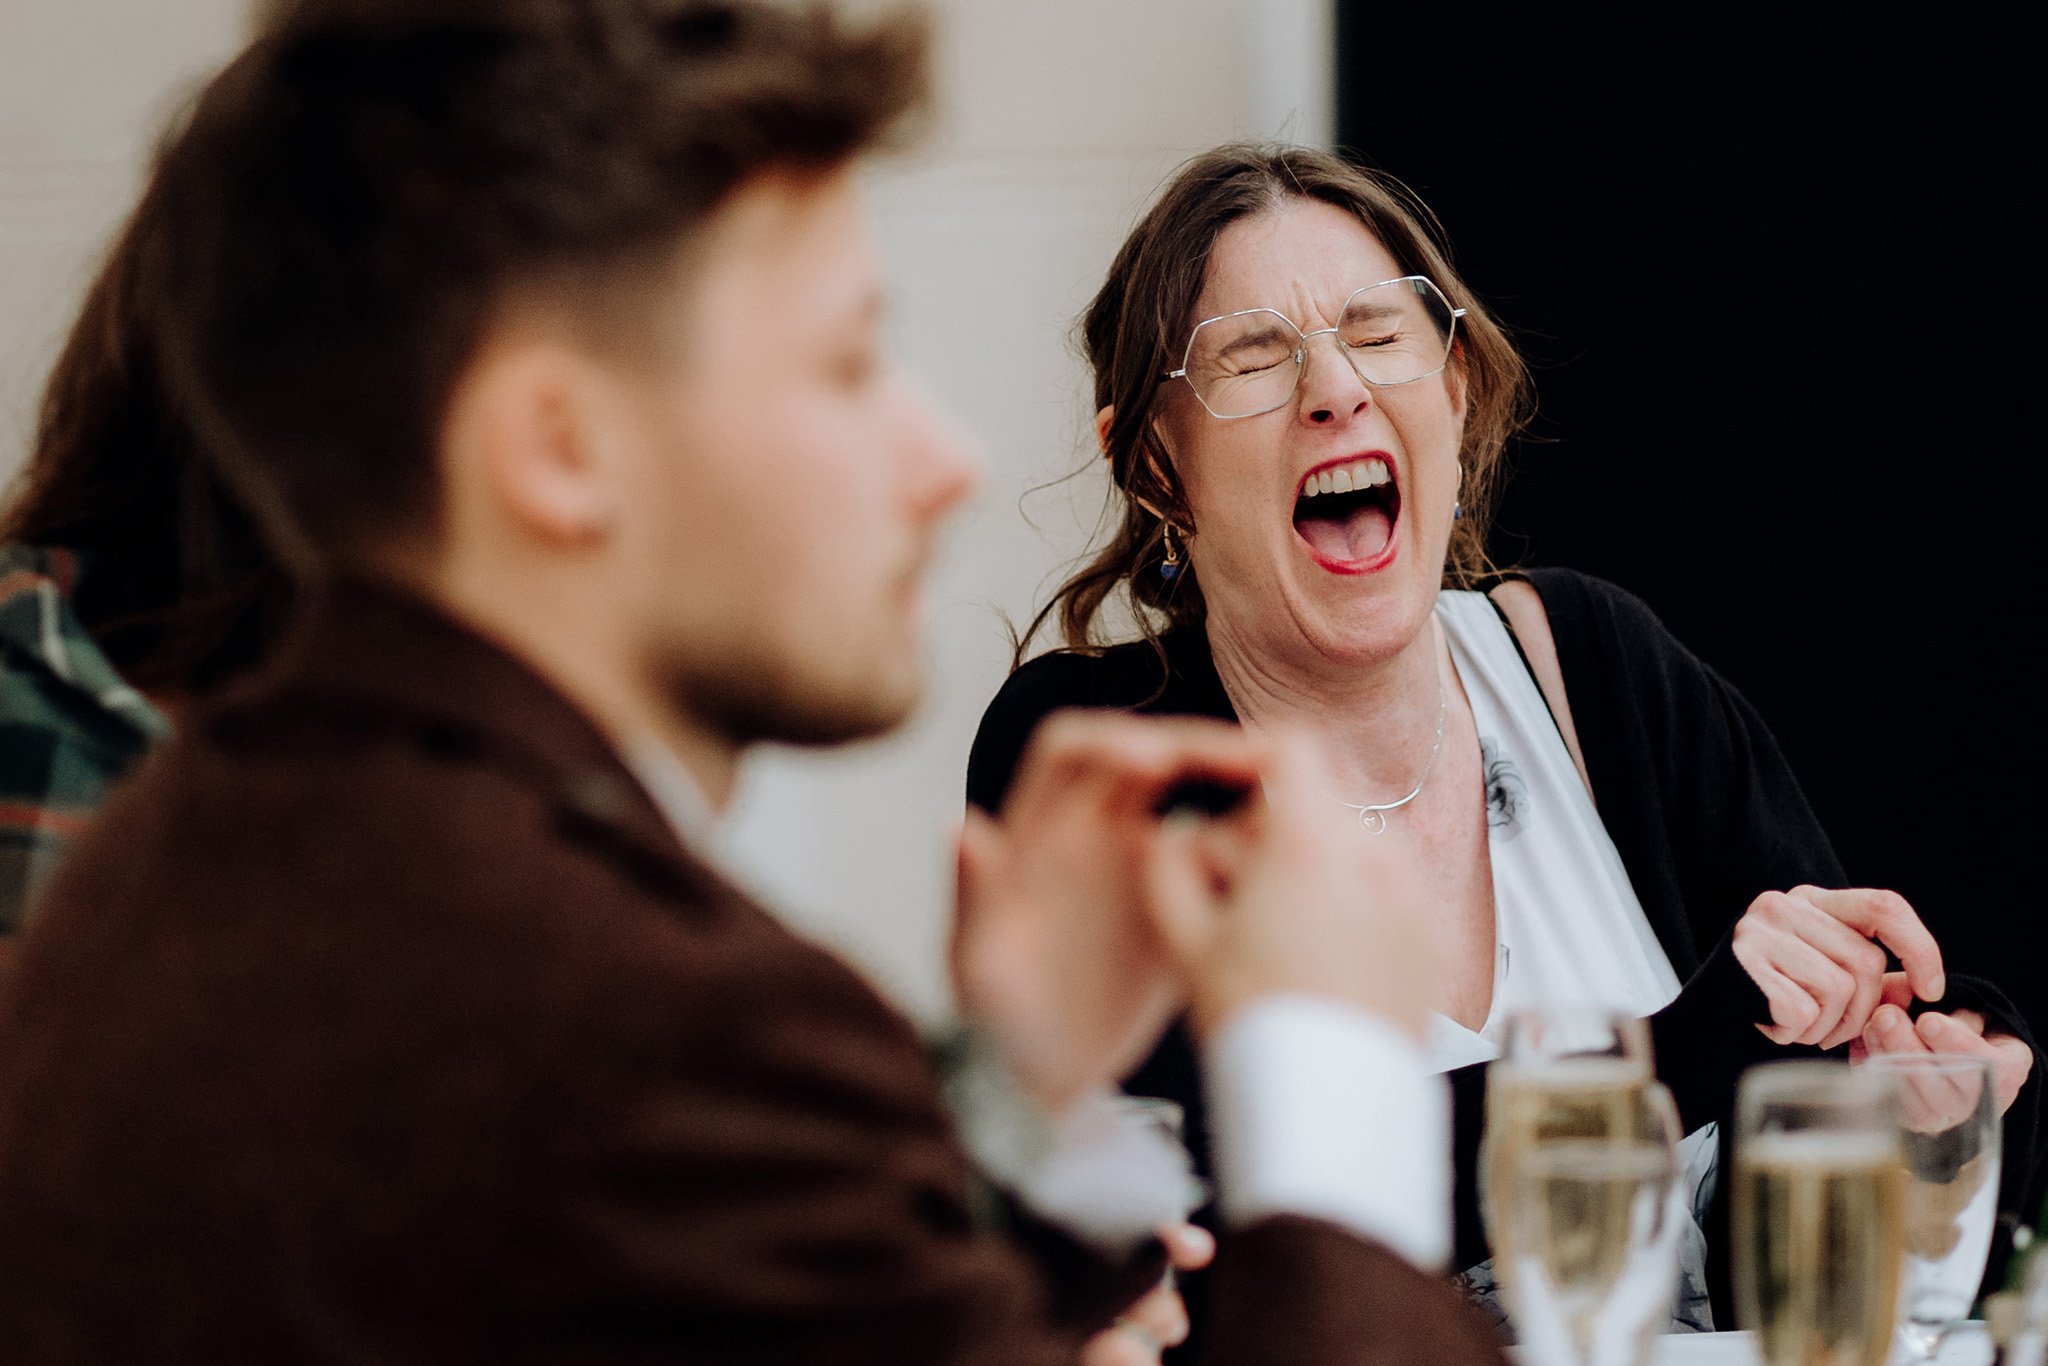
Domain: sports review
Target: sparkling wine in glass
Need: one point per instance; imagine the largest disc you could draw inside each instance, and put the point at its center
(1819, 1213)
(1595, 1223)
(1949, 1146)
(1565, 1071)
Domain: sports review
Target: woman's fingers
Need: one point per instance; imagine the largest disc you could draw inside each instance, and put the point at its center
(1776, 942)
(1957, 1097)
(1891, 920)
(1897, 990)
(1891, 1032)
(2015, 1061)
(1862, 961)
(1825, 946)
(1792, 1009)
(2010, 1058)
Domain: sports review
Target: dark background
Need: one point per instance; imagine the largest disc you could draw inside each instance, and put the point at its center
(1782, 292)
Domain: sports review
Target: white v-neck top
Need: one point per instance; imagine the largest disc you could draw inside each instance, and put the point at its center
(1568, 925)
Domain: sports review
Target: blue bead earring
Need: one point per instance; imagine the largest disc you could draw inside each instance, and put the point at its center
(1457, 511)
(1170, 567)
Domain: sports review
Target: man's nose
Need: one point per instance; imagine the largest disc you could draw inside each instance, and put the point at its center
(945, 467)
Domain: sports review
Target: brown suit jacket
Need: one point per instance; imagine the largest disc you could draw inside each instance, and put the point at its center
(381, 1018)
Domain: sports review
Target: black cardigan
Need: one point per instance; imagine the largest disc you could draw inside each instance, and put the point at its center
(1695, 793)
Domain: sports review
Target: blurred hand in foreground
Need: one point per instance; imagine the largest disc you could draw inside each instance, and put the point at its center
(1288, 895)
(1055, 949)
(1160, 1320)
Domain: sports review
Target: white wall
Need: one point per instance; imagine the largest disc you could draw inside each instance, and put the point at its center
(1060, 118)
(84, 87)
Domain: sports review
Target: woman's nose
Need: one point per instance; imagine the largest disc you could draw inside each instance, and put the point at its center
(1330, 386)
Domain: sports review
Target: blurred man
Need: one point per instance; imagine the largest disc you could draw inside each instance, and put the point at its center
(395, 1012)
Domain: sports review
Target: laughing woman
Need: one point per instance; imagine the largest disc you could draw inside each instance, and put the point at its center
(1303, 409)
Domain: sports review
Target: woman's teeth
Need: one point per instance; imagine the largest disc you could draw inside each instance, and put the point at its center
(1359, 474)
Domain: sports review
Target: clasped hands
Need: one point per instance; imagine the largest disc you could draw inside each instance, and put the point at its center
(1819, 957)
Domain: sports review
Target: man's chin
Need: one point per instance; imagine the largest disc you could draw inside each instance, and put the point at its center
(757, 711)
(820, 727)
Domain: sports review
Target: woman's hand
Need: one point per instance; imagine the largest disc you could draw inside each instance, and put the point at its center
(1816, 954)
(1891, 1030)
(1160, 1320)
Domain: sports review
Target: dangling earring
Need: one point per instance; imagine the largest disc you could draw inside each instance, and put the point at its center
(1169, 568)
(1458, 508)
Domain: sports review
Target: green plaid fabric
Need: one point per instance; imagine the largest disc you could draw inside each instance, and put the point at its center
(68, 725)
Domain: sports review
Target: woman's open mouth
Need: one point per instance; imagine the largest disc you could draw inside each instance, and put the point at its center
(1347, 512)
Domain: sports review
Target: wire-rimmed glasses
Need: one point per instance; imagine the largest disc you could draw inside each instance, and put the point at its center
(1248, 363)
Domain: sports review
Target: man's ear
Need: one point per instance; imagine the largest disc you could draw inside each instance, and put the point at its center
(533, 436)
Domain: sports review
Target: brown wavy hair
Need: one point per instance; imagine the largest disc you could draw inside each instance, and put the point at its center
(352, 202)
(1142, 314)
(175, 585)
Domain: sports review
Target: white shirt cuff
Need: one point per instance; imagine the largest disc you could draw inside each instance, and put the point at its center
(1107, 1170)
(1322, 1109)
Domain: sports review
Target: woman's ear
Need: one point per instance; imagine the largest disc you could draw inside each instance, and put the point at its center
(1103, 417)
(1455, 382)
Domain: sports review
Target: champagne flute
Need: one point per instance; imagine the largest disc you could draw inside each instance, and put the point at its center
(1565, 1071)
(1596, 1223)
(1819, 1213)
(1949, 1139)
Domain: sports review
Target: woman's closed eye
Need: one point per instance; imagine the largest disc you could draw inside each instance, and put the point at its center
(1252, 354)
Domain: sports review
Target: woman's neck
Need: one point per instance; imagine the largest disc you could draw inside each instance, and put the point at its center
(1377, 722)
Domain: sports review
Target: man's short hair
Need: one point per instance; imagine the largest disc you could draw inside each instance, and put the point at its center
(352, 199)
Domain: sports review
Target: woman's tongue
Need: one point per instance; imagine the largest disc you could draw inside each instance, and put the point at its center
(1357, 535)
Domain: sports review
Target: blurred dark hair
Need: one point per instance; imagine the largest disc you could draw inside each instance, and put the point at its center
(176, 587)
(354, 197)
(1139, 320)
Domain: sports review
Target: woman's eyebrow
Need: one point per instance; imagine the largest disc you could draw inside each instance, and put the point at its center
(1246, 341)
(1372, 310)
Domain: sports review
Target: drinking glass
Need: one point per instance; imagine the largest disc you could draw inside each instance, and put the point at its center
(1819, 1213)
(1565, 1071)
(1595, 1223)
(1949, 1141)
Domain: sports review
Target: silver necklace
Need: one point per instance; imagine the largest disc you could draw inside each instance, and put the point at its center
(1373, 818)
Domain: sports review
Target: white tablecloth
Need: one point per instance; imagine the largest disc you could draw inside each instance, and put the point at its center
(1968, 1346)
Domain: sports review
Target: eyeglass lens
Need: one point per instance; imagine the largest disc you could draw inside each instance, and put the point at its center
(1249, 363)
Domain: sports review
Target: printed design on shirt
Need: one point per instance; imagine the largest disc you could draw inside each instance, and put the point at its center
(1507, 792)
